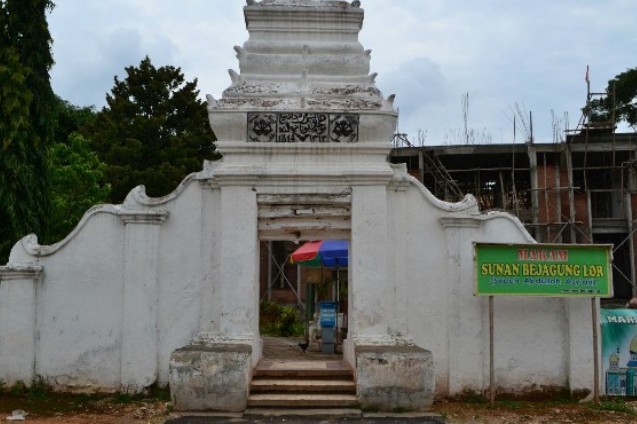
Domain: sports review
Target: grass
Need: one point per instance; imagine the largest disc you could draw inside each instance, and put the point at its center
(512, 404)
(614, 405)
(539, 401)
(39, 400)
(544, 410)
(38, 389)
(153, 393)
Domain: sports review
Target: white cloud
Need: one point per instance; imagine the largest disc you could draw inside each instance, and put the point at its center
(427, 52)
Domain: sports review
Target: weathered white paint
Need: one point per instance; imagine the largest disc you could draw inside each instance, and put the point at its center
(394, 378)
(140, 298)
(370, 292)
(224, 370)
(18, 318)
(135, 282)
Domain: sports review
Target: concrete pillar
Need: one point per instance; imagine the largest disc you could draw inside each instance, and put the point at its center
(370, 298)
(215, 372)
(236, 319)
(390, 375)
(580, 344)
(239, 265)
(209, 300)
(399, 326)
(465, 368)
(18, 309)
(139, 365)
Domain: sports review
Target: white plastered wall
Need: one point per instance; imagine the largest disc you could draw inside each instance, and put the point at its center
(135, 282)
(117, 296)
(540, 343)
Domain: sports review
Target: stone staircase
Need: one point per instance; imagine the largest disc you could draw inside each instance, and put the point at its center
(303, 385)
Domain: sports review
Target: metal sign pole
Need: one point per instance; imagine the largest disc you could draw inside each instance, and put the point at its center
(595, 353)
(491, 354)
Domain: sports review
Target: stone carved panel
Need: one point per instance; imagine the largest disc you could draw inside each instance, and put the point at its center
(344, 128)
(261, 127)
(298, 127)
(302, 127)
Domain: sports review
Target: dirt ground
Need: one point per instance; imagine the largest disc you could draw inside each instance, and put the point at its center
(45, 407)
(52, 408)
(69, 409)
(508, 412)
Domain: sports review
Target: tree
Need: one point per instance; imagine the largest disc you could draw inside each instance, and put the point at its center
(70, 119)
(26, 124)
(77, 175)
(77, 184)
(29, 33)
(621, 96)
(154, 131)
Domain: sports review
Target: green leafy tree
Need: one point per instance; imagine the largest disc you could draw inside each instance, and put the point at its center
(620, 103)
(26, 122)
(29, 33)
(154, 131)
(70, 118)
(77, 184)
(77, 175)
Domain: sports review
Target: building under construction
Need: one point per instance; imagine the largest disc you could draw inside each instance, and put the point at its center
(581, 190)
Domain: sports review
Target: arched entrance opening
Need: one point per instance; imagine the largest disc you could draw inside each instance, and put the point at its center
(302, 302)
(293, 295)
(301, 363)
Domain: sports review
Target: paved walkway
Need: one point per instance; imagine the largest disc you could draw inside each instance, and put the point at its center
(287, 348)
(285, 353)
(307, 420)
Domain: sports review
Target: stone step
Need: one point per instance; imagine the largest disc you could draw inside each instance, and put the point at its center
(303, 385)
(303, 369)
(302, 401)
(303, 373)
(306, 412)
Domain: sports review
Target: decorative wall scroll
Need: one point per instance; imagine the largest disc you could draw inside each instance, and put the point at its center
(261, 127)
(344, 128)
(290, 127)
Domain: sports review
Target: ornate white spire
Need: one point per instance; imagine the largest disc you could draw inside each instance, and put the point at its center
(303, 55)
(303, 78)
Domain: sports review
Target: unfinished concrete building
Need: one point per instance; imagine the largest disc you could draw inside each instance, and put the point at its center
(582, 190)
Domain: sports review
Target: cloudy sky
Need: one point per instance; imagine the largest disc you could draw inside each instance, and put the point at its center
(504, 55)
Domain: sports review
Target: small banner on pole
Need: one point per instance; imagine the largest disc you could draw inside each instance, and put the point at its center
(555, 270)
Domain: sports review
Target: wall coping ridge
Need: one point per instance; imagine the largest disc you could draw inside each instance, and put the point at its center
(468, 204)
(31, 245)
(476, 220)
(20, 272)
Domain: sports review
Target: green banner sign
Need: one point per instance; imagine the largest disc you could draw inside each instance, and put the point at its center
(558, 270)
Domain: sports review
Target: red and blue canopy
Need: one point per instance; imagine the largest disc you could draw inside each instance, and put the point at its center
(328, 253)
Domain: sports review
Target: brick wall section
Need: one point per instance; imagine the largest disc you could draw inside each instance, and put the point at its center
(548, 212)
(565, 212)
(581, 215)
(552, 194)
(546, 194)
